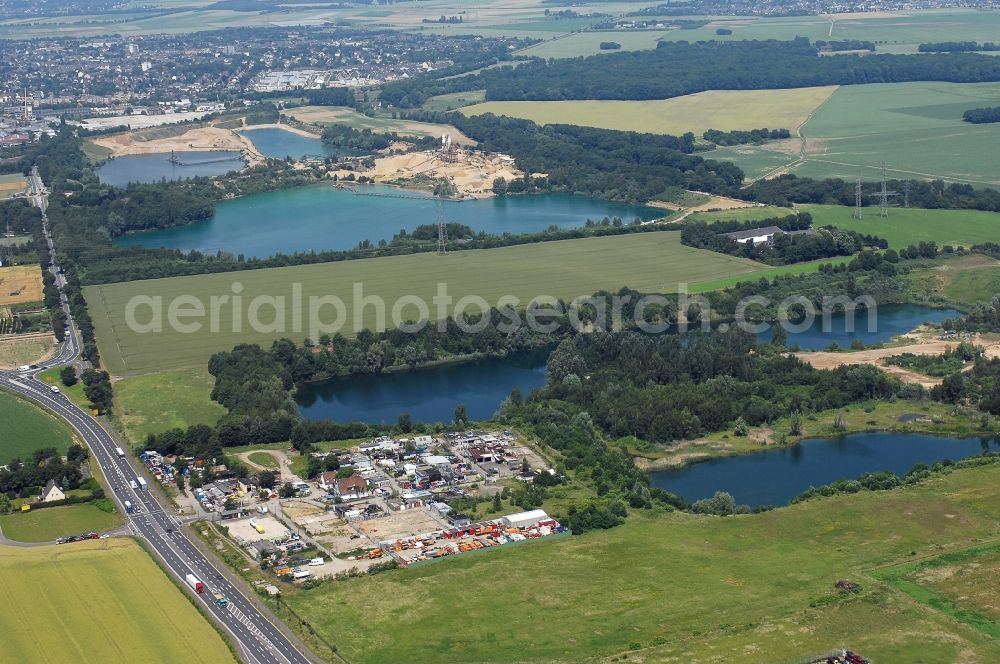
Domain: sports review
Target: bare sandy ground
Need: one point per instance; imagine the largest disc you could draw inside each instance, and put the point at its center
(194, 140)
(471, 172)
(828, 360)
(714, 203)
(284, 127)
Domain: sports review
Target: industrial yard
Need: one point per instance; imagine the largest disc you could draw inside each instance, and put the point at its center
(385, 500)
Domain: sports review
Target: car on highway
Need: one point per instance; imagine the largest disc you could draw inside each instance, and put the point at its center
(134, 485)
(55, 390)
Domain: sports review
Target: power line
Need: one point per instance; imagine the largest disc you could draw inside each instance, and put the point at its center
(857, 197)
(883, 194)
(442, 231)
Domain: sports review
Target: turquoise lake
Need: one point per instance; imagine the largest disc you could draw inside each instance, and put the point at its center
(325, 217)
(281, 143)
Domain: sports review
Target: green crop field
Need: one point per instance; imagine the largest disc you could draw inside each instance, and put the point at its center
(566, 269)
(52, 594)
(50, 523)
(916, 128)
(905, 226)
(678, 587)
(28, 428)
(153, 403)
(723, 109)
(894, 32)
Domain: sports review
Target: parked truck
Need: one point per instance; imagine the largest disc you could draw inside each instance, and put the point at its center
(196, 585)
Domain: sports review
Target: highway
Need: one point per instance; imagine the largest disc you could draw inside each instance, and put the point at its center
(256, 638)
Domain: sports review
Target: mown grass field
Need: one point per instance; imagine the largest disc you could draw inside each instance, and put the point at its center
(916, 128)
(15, 241)
(963, 280)
(52, 594)
(25, 349)
(565, 269)
(20, 284)
(720, 109)
(75, 393)
(263, 459)
(27, 427)
(322, 115)
(154, 403)
(50, 523)
(978, 285)
(11, 184)
(905, 226)
(454, 100)
(963, 585)
(682, 587)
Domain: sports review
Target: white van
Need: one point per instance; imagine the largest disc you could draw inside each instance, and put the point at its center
(24, 368)
(134, 485)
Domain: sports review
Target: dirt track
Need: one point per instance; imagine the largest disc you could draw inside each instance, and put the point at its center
(828, 360)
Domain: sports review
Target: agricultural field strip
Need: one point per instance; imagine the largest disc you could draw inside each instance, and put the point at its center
(565, 269)
(726, 110)
(143, 615)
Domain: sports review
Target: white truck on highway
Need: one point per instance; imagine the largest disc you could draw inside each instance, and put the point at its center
(119, 451)
(195, 583)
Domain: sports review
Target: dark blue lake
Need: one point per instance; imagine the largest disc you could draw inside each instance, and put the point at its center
(776, 476)
(428, 395)
(155, 167)
(891, 320)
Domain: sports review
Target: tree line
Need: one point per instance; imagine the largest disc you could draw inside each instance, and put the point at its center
(752, 137)
(957, 47)
(789, 189)
(680, 68)
(613, 165)
(982, 115)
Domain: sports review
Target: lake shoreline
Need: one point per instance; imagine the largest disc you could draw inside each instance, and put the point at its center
(778, 478)
(654, 465)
